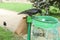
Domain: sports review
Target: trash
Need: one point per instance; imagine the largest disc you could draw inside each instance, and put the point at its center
(46, 27)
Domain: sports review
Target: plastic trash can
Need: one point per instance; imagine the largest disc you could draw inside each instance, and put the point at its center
(47, 24)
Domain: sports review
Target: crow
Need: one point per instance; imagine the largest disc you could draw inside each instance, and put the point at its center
(31, 12)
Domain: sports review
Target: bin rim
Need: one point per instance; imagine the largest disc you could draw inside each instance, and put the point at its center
(56, 20)
(54, 25)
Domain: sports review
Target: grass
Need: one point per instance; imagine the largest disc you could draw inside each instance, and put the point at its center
(8, 35)
(15, 6)
(5, 34)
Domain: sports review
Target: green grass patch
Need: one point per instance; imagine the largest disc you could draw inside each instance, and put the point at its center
(16, 6)
(6, 34)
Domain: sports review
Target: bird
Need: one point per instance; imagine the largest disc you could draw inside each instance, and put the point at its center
(31, 12)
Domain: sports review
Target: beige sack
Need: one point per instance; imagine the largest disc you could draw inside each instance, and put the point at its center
(13, 22)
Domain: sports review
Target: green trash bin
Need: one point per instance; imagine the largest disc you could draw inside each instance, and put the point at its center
(47, 24)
